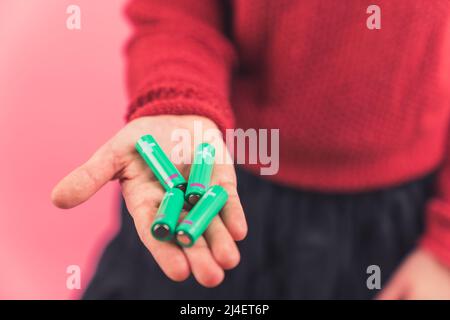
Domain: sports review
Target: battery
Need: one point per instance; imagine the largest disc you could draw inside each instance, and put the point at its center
(164, 170)
(198, 219)
(200, 175)
(166, 218)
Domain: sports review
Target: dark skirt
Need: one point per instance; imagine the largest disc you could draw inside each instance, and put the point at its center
(300, 245)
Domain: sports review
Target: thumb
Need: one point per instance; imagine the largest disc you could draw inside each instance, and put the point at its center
(83, 182)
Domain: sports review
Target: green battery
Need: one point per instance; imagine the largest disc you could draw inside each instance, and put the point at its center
(167, 174)
(166, 218)
(200, 175)
(198, 219)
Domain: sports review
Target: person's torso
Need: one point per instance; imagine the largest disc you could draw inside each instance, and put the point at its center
(335, 87)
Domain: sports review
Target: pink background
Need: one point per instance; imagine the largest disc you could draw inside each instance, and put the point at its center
(61, 96)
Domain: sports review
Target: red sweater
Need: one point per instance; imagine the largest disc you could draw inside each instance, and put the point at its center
(357, 109)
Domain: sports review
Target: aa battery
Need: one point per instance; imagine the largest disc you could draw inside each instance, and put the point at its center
(167, 174)
(166, 218)
(198, 219)
(200, 175)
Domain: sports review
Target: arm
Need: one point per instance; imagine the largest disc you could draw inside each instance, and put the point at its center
(426, 272)
(179, 61)
(436, 239)
(178, 73)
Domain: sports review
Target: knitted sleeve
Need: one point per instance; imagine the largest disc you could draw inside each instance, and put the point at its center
(178, 60)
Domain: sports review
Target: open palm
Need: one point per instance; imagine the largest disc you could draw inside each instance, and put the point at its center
(118, 159)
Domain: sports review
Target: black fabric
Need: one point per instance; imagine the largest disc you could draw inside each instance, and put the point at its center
(300, 245)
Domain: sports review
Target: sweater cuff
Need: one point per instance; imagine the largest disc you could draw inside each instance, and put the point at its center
(181, 98)
(436, 239)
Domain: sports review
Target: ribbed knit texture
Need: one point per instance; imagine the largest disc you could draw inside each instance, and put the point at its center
(357, 109)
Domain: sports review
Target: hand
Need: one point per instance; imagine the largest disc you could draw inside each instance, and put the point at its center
(420, 277)
(118, 159)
